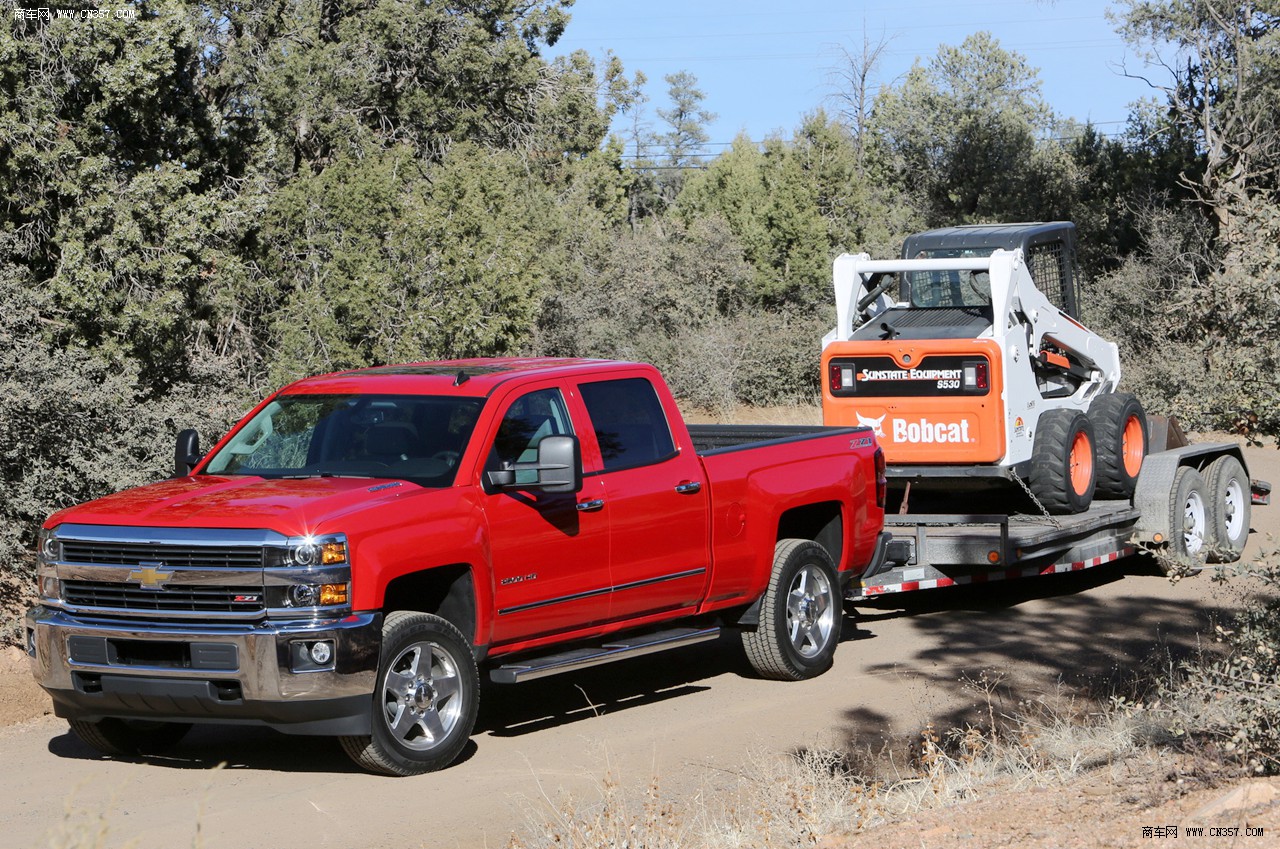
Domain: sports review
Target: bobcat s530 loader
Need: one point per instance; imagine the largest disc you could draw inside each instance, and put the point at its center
(967, 359)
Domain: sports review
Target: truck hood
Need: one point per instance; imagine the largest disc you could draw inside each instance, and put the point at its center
(290, 507)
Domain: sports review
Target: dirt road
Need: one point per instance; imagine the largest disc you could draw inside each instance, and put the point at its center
(690, 717)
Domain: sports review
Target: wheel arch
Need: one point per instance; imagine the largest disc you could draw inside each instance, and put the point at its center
(821, 522)
(447, 591)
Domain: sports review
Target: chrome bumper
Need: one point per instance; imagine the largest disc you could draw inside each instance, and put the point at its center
(249, 673)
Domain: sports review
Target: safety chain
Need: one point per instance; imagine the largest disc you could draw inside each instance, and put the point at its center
(1053, 520)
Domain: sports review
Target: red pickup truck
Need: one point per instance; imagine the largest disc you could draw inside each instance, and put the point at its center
(351, 555)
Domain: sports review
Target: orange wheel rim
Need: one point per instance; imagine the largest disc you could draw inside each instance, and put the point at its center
(1132, 444)
(1081, 464)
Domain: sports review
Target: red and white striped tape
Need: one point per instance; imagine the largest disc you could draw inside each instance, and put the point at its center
(1006, 575)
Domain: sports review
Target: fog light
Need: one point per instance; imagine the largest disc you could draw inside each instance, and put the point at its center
(50, 588)
(321, 653)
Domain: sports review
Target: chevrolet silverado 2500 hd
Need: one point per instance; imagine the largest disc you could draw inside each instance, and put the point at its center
(351, 555)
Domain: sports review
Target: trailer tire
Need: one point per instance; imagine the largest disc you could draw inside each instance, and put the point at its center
(1228, 493)
(128, 737)
(1063, 462)
(1189, 513)
(426, 698)
(800, 615)
(1120, 428)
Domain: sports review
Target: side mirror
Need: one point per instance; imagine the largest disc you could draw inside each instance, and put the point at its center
(559, 468)
(186, 454)
(560, 464)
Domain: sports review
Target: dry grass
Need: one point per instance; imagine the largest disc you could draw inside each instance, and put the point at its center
(823, 795)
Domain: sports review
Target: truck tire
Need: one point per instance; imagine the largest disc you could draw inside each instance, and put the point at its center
(1063, 462)
(129, 737)
(800, 615)
(1189, 538)
(1229, 499)
(425, 701)
(1120, 428)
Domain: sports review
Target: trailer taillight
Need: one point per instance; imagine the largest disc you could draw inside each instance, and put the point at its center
(976, 376)
(841, 376)
(882, 482)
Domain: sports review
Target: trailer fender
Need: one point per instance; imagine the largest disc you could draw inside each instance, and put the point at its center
(1155, 485)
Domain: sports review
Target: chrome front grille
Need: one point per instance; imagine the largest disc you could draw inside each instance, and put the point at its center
(158, 573)
(184, 556)
(102, 595)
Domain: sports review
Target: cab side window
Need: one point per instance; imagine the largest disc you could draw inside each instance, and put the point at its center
(529, 419)
(629, 423)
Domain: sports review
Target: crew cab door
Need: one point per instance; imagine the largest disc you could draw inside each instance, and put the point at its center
(654, 497)
(550, 557)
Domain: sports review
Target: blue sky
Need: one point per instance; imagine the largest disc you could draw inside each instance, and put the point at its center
(763, 65)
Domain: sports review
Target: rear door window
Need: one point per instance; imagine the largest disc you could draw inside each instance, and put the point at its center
(629, 423)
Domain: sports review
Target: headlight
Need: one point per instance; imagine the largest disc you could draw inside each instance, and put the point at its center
(308, 552)
(48, 547)
(309, 575)
(48, 553)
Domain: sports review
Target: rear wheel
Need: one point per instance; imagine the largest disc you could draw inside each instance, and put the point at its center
(1062, 461)
(129, 737)
(1120, 428)
(426, 700)
(1227, 492)
(800, 615)
(1188, 518)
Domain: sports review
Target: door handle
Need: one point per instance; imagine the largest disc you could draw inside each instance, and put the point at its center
(689, 487)
(590, 506)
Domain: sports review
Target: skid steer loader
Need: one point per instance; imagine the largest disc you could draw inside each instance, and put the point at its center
(968, 360)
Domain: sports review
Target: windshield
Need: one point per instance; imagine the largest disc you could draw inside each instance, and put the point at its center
(950, 288)
(419, 438)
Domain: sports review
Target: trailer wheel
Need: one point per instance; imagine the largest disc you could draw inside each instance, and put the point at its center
(1120, 426)
(425, 703)
(129, 737)
(1189, 518)
(800, 615)
(1062, 462)
(1227, 491)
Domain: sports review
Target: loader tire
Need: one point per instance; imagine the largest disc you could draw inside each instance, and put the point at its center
(1120, 428)
(1063, 462)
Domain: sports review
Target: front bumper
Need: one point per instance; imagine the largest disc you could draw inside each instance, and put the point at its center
(181, 672)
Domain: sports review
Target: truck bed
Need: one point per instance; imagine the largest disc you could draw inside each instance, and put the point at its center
(717, 439)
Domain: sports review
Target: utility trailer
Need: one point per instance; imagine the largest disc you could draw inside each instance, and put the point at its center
(987, 394)
(1182, 493)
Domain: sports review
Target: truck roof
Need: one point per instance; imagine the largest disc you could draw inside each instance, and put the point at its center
(475, 377)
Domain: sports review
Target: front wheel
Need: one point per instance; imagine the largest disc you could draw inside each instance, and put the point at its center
(799, 615)
(129, 737)
(425, 704)
(1120, 426)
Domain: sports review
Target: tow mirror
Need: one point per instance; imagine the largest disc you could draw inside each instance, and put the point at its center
(186, 454)
(559, 464)
(559, 468)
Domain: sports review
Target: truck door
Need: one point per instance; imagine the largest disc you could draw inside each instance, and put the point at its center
(550, 558)
(655, 498)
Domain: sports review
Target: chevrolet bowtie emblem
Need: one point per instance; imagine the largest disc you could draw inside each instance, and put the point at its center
(150, 577)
